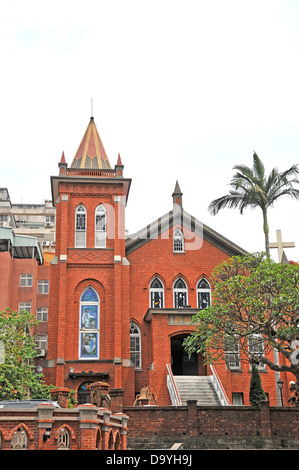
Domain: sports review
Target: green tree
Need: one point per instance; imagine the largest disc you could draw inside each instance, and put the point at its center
(255, 307)
(256, 392)
(18, 376)
(250, 188)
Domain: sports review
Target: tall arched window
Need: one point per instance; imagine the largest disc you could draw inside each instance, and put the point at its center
(135, 345)
(180, 293)
(89, 324)
(100, 227)
(178, 241)
(156, 293)
(203, 293)
(80, 232)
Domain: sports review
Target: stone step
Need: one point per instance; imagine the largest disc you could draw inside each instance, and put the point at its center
(198, 388)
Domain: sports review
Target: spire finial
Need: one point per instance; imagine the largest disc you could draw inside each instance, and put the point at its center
(177, 195)
(91, 109)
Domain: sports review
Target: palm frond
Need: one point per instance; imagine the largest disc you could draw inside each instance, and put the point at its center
(258, 167)
(231, 200)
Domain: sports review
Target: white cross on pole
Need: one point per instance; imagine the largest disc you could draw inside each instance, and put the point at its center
(280, 245)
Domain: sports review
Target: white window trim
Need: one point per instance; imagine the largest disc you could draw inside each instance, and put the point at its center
(26, 278)
(177, 290)
(260, 365)
(24, 306)
(41, 311)
(136, 335)
(198, 290)
(233, 353)
(155, 289)
(176, 237)
(41, 285)
(97, 211)
(83, 245)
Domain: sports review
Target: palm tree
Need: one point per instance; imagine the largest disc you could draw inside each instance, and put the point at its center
(252, 188)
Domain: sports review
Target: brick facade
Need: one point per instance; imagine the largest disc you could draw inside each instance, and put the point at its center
(235, 427)
(46, 427)
(120, 274)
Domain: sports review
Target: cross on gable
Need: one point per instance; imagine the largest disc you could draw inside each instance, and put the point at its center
(280, 245)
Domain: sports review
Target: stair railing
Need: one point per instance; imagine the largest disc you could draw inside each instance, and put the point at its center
(221, 394)
(172, 388)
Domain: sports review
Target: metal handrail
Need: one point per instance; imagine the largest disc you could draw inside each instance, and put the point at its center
(172, 388)
(219, 388)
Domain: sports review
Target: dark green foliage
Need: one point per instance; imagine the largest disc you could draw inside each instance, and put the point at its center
(256, 393)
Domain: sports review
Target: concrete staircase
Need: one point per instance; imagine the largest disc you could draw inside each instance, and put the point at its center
(196, 387)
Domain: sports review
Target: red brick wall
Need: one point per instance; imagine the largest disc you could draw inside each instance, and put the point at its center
(157, 258)
(214, 427)
(85, 425)
(95, 267)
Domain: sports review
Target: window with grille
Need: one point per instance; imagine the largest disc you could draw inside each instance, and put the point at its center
(156, 293)
(80, 233)
(43, 287)
(24, 306)
(180, 293)
(41, 341)
(232, 352)
(203, 293)
(135, 345)
(178, 241)
(100, 227)
(256, 348)
(42, 314)
(25, 280)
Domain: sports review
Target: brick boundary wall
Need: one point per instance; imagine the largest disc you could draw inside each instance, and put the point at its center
(232, 427)
(89, 427)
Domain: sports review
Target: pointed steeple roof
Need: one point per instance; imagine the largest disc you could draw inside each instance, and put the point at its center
(177, 195)
(91, 152)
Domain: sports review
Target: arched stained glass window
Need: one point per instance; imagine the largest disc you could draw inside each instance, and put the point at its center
(89, 324)
(156, 293)
(203, 293)
(89, 295)
(80, 231)
(180, 293)
(100, 227)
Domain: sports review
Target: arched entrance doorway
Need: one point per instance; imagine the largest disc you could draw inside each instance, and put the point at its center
(181, 363)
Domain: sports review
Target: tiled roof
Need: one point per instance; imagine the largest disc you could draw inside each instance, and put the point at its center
(91, 152)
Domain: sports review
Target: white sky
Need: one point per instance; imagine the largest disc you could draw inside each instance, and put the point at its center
(183, 90)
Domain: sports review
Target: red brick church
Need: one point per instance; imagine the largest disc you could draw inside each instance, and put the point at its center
(119, 305)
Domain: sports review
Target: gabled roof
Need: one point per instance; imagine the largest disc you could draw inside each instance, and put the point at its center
(91, 152)
(179, 216)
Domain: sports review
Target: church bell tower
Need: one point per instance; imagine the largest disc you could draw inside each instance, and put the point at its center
(89, 312)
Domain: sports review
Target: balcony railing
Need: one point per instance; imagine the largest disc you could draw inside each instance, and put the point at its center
(110, 173)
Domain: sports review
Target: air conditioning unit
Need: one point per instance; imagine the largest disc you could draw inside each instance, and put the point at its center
(45, 243)
(42, 352)
(52, 243)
